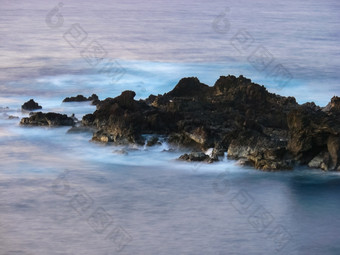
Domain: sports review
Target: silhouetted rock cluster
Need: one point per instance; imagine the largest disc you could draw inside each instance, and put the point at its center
(30, 106)
(80, 98)
(237, 116)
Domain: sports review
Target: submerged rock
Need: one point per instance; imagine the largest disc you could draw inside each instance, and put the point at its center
(31, 105)
(153, 141)
(81, 129)
(121, 152)
(197, 156)
(11, 117)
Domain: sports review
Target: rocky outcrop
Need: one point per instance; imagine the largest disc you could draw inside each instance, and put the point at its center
(48, 119)
(124, 120)
(235, 115)
(30, 106)
(333, 106)
(314, 137)
(261, 151)
(80, 98)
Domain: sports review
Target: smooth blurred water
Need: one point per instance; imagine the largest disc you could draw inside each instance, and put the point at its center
(171, 39)
(144, 197)
(162, 205)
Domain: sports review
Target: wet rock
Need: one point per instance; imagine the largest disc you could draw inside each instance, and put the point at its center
(312, 133)
(117, 137)
(30, 106)
(153, 141)
(196, 156)
(47, 119)
(218, 151)
(122, 120)
(182, 140)
(320, 161)
(333, 147)
(199, 135)
(101, 136)
(260, 151)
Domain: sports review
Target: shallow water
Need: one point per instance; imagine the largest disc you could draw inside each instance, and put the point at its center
(61, 194)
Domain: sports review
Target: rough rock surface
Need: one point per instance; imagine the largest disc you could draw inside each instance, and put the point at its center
(30, 106)
(197, 156)
(265, 130)
(48, 119)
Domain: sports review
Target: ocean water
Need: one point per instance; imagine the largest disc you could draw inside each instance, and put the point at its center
(62, 194)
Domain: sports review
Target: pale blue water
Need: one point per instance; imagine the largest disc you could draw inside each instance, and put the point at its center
(145, 201)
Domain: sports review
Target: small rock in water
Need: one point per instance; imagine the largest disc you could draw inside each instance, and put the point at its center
(121, 152)
(11, 117)
(31, 105)
(197, 156)
(153, 141)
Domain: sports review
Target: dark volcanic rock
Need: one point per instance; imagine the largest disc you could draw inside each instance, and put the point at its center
(30, 106)
(265, 130)
(314, 135)
(334, 105)
(124, 120)
(189, 87)
(48, 119)
(260, 151)
(197, 156)
(80, 98)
